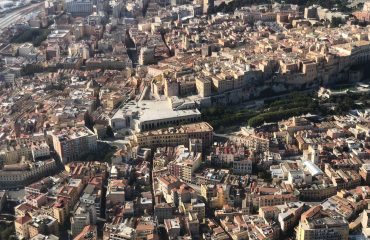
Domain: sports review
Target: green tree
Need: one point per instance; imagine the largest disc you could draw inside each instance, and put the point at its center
(109, 132)
(336, 21)
(36, 36)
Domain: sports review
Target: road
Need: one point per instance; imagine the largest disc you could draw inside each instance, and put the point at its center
(16, 15)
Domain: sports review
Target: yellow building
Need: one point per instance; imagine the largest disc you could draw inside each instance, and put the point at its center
(13, 154)
(21, 226)
(223, 83)
(317, 224)
(204, 87)
(171, 88)
(198, 208)
(184, 167)
(43, 224)
(215, 196)
(112, 102)
(175, 136)
(60, 211)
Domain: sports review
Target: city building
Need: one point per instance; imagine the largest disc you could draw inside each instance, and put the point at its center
(72, 143)
(19, 175)
(174, 136)
(84, 215)
(79, 7)
(318, 224)
(146, 115)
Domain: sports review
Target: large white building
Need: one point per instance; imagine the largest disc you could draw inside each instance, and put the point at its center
(148, 114)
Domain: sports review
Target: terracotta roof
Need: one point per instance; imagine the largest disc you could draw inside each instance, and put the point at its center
(22, 220)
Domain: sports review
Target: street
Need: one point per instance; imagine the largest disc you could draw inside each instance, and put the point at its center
(13, 17)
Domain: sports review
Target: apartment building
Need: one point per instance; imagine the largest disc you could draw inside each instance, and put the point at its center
(175, 136)
(79, 7)
(318, 224)
(116, 191)
(272, 200)
(92, 194)
(83, 215)
(72, 143)
(185, 165)
(163, 211)
(172, 227)
(222, 83)
(43, 224)
(13, 153)
(242, 166)
(89, 232)
(19, 175)
(119, 231)
(40, 150)
(257, 141)
(204, 87)
(365, 173)
(21, 226)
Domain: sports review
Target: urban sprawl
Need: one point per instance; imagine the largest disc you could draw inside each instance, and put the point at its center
(184, 119)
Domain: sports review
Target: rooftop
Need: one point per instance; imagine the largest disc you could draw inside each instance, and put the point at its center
(70, 133)
(149, 110)
(187, 128)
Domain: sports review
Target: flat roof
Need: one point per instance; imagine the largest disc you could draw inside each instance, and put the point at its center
(69, 133)
(186, 128)
(153, 110)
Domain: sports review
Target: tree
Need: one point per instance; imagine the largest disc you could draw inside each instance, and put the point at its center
(335, 22)
(7, 232)
(109, 132)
